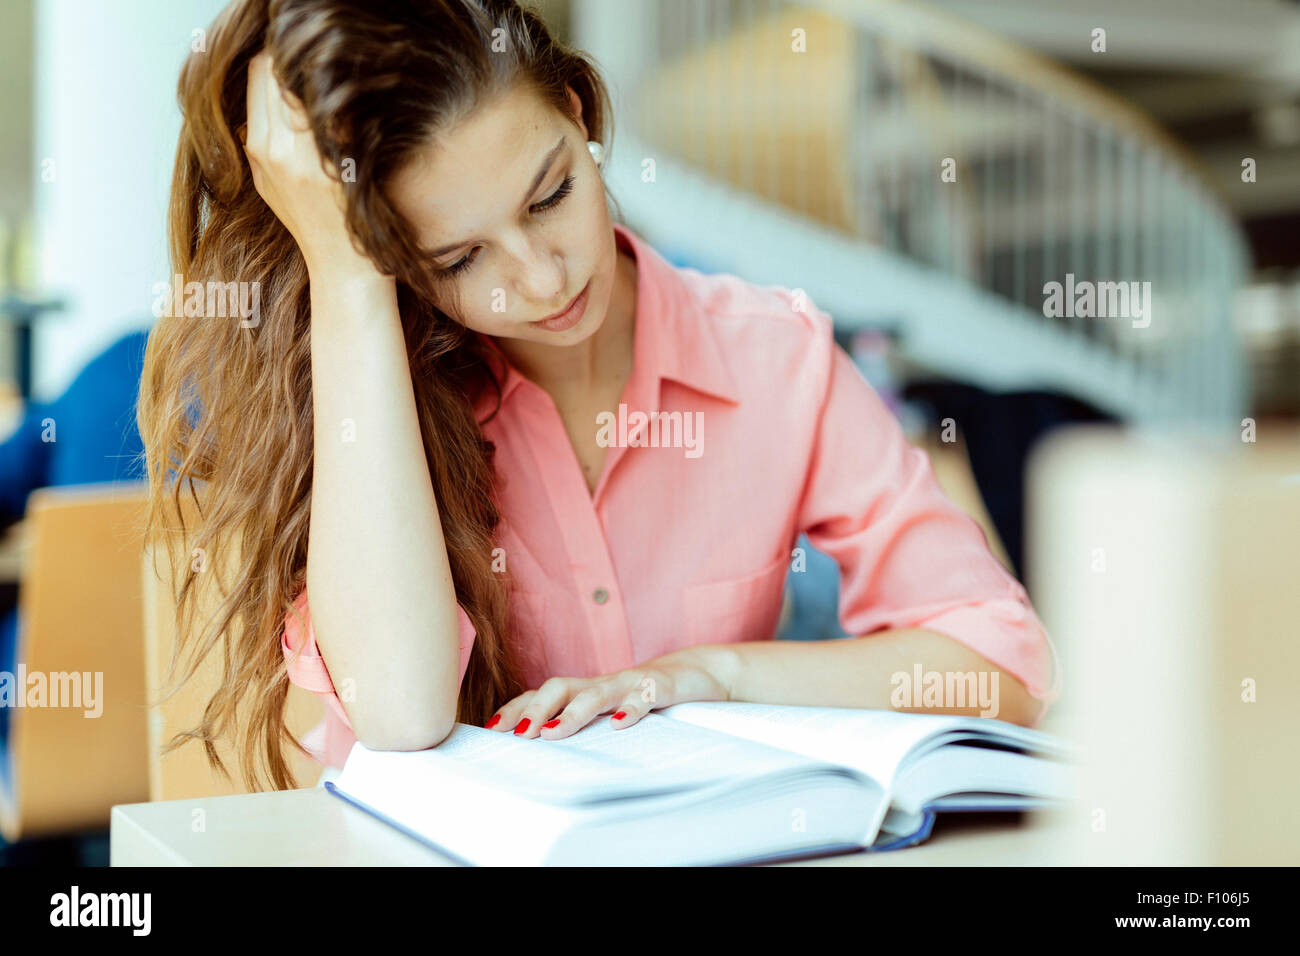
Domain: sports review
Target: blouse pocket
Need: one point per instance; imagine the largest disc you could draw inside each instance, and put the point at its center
(736, 609)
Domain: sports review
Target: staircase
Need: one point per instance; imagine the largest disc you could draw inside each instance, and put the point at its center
(911, 171)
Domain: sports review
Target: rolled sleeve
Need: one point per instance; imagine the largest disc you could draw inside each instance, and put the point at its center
(306, 667)
(909, 557)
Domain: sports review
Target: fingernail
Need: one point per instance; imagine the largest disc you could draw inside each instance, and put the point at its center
(496, 719)
(522, 726)
(551, 723)
(620, 715)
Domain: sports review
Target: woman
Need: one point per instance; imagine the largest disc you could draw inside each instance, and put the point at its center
(547, 476)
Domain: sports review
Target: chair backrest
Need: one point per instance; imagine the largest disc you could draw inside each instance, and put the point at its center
(185, 773)
(83, 749)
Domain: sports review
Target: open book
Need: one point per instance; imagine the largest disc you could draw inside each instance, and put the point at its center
(705, 784)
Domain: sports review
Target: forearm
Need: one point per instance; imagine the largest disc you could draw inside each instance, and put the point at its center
(382, 600)
(872, 671)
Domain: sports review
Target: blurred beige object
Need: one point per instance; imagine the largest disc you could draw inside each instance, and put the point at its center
(13, 544)
(6, 255)
(80, 610)
(780, 132)
(12, 407)
(13, 552)
(1164, 566)
(24, 257)
(184, 773)
(952, 470)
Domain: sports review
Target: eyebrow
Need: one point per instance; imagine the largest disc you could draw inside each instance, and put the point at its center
(547, 160)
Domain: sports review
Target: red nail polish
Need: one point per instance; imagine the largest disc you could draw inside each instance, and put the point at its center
(496, 719)
(620, 715)
(551, 723)
(522, 726)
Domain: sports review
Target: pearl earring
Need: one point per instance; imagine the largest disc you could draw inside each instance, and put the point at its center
(597, 151)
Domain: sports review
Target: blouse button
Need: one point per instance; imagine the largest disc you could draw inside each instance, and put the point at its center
(600, 595)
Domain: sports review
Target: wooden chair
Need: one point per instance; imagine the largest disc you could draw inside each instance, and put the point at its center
(80, 610)
(184, 773)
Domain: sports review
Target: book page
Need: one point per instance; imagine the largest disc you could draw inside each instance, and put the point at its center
(600, 763)
(875, 742)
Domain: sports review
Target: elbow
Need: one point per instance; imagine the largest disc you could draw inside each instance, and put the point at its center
(411, 714)
(1024, 709)
(409, 735)
(1037, 711)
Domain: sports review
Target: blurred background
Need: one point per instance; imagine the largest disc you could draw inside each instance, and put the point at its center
(922, 170)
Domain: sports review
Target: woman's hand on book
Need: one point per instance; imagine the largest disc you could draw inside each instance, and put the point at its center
(564, 705)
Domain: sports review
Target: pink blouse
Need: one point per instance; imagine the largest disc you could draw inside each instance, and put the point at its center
(689, 535)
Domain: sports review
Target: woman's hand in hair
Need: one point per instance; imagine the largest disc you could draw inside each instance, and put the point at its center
(289, 175)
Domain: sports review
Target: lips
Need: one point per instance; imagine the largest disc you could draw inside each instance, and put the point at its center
(561, 313)
(568, 318)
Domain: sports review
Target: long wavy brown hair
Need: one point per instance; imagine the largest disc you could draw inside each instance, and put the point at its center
(225, 408)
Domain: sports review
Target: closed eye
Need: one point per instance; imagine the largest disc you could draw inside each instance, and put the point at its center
(557, 197)
(550, 202)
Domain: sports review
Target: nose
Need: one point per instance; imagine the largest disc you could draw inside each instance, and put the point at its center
(541, 275)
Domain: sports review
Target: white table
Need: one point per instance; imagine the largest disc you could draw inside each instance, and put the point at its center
(310, 827)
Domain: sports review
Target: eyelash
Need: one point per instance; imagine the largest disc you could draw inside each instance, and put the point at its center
(550, 202)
